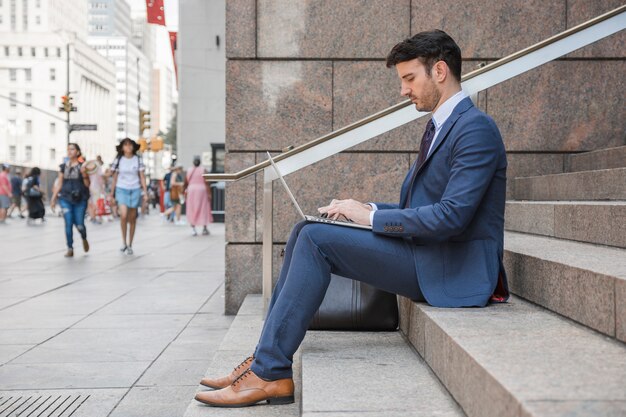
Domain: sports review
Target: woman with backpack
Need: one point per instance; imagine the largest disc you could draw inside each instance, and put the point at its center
(128, 187)
(72, 191)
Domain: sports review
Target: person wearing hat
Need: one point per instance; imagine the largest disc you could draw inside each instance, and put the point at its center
(128, 189)
(5, 192)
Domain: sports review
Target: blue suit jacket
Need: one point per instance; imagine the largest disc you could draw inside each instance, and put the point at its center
(456, 214)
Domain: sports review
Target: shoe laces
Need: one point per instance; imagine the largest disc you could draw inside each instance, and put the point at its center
(243, 363)
(242, 376)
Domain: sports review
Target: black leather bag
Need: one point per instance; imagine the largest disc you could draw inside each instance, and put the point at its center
(353, 305)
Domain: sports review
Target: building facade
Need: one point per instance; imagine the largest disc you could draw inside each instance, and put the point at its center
(201, 70)
(132, 73)
(35, 38)
(109, 18)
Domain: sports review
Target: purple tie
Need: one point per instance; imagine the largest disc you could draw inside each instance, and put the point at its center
(427, 139)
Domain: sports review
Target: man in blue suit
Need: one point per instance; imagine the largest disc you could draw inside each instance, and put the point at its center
(442, 243)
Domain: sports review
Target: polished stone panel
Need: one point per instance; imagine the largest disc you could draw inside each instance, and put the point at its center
(363, 88)
(240, 200)
(562, 106)
(331, 28)
(273, 104)
(579, 11)
(490, 28)
(240, 28)
(243, 274)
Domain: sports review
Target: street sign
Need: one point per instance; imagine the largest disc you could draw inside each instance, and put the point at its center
(83, 127)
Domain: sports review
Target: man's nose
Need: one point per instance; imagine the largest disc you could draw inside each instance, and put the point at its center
(405, 91)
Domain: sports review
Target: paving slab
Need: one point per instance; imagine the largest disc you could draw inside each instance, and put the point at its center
(365, 373)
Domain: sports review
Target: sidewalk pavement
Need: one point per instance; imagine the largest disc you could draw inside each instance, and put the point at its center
(103, 333)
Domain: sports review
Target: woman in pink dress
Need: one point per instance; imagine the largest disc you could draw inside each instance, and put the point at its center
(198, 199)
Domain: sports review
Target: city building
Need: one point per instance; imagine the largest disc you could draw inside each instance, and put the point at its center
(109, 18)
(202, 78)
(132, 71)
(35, 39)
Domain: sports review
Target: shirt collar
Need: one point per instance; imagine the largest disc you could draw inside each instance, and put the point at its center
(445, 110)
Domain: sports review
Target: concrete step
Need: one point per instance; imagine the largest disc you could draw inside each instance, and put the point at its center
(605, 184)
(238, 344)
(581, 281)
(520, 360)
(369, 374)
(601, 222)
(601, 159)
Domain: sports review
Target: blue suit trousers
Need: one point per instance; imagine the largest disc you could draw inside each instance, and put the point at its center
(313, 252)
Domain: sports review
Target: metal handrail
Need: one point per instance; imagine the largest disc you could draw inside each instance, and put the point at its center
(325, 138)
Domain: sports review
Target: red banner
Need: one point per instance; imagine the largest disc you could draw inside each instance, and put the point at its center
(156, 12)
(173, 37)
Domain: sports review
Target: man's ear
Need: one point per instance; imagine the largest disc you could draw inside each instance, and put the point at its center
(440, 71)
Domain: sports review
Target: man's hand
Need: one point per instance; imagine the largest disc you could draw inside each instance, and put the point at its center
(351, 209)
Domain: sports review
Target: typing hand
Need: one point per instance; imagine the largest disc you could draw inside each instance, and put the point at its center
(350, 209)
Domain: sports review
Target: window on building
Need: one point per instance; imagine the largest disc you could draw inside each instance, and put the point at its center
(13, 99)
(19, 51)
(38, 20)
(38, 4)
(29, 99)
(33, 51)
(45, 52)
(28, 153)
(12, 74)
(6, 51)
(53, 128)
(59, 52)
(53, 154)
(120, 127)
(52, 101)
(28, 73)
(29, 127)
(53, 74)
(12, 153)
(1, 16)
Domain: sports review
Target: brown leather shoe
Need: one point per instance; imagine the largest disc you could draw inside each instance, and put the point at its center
(225, 381)
(249, 389)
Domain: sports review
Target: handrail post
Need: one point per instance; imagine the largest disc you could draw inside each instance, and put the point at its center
(268, 209)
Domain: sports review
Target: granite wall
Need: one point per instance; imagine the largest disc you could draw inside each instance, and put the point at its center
(300, 69)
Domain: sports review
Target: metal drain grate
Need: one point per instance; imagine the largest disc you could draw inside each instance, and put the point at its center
(41, 406)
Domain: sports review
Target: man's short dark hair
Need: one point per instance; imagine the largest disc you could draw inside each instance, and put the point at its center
(428, 47)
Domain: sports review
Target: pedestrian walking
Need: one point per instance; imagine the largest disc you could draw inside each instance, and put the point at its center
(5, 192)
(16, 198)
(34, 196)
(72, 191)
(129, 184)
(198, 199)
(96, 188)
(177, 181)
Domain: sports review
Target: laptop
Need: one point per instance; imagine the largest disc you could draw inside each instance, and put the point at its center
(316, 219)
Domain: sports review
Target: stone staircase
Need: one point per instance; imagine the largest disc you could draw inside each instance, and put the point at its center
(555, 349)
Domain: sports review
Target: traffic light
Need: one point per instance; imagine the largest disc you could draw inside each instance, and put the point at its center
(144, 120)
(66, 104)
(143, 144)
(156, 144)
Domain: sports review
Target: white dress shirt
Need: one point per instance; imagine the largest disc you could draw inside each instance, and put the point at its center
(439, 118)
